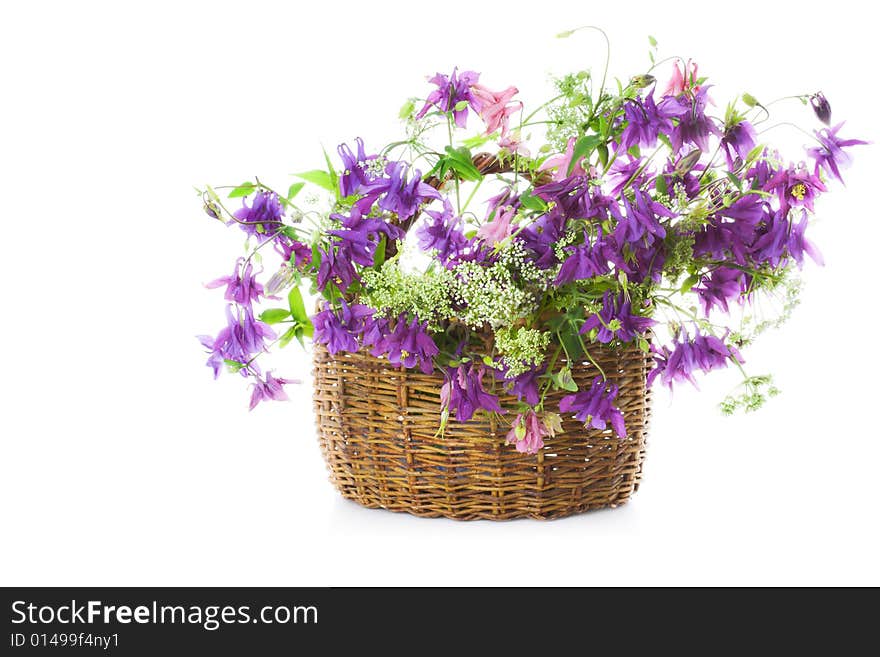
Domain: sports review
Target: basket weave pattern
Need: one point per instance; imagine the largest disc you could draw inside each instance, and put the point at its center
(378, 432)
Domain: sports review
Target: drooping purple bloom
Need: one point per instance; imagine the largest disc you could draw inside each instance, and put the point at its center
(720, 286)
(525, 386)
(339, 329)
(270, 388)
(401, 196)
(355, 175)
(360, 235)
(644, 121)
(540, 236)
(408, 344)
(683, 172)
(703, 352)
(463, 392)
(336, 267)
(595, 407)
(829, 155)
(616, 320)
(738, 140)
(795, 187)
(624, 173)
(584, 262)
(572, 195)
(442, 231)
(262, 218)
(645, 262)
(693, 126)
(821, 107)
(452, 90)
(798, 244)
(241, 285)
(292, 250)
(527, 433)
(641, 221)
(239, 341)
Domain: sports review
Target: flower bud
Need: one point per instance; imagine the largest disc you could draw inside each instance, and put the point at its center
(821, 107)
(281, 280)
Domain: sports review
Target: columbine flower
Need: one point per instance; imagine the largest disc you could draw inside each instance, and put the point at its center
(262, 218)
(239, 341)
(626, 172)
(586, 261)
(336, 267)
(616, 320)
(693, 126)
(720, 286)
(821, 107)
(683, 77)
(704, 352)
(453, 94)
(442, 231)
(527, 433)
(361, 235)
(540, 236)
(644, 121)
(463, 392)
(641, 220)
(562, 162)
(594, 407)
(355, 175)
(293, 251)
(738, 139)
(271, 388)
(339, 330)
(495, 107)
(798, 244)
(241, 285)
(401, 196)
(830, 154)
(499, 229)
(525, 385)
(795, 186)
(409, 344)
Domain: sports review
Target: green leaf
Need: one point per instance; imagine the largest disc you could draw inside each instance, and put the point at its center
(319, 178)
(293, 190)
(460, 105)
(233, 365)
(689, 282)
(531, 202)
(288, 335)
(274, 315)
(571, 343)
(736, 181)
(652, 41)
(660, 185)
(407, 109)
(461, 161)
(243, 189)
(334, 179)
(644, 345)
(308, 329)
(564, 381)
(582, 148)
(297, 306)
(379, 258)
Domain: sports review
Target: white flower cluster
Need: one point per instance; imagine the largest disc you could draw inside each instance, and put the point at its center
(521, 348)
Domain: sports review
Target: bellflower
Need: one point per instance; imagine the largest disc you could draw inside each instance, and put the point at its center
(525, 386)
(408, 344)
(360, 235)
(616, 320)
(270, 388)
(693, 126)
(355, 175)
(829, 155)
(595, 407)
(241, 285)
(336, 267)
(262, 218)
(452, 90)
(339, 330)
(703, 352)
(527, 433)
(442, 231)
(463, 392)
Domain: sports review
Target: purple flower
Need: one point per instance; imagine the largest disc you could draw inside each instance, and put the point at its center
(795, 186)
(339, 330)
(616, 320)
(239, 341)
(645, 263)
(540, 236)
(527, 433)
(830, 154)
(408, 344)
(594, 407)
(463, 392)
(442, 231)
(586, 261)
(685, 172)
(642, 219)
(798, 244)
(821, 107)
(720, 286)
(355, 177)
(360, 235)
(693, 126)
(738, 140)
(336, 267)
(293, 251)
(573, 197)
(271, 388)
(644, 121)
(623, 173)
(452, 90)
(704, 353)
(524, 386)
(241, 285)
(262, 218)
(401, 196)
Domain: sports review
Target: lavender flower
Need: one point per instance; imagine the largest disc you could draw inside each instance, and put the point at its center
(524, 386)
(463, 392)
(527, 433)
(339, 330)
(336, 267)
(360, 235)
(442, 231)
(616, 320)
(693, 126)
(241, 285)
(829, 155)
(270, 388)
(595, 407)
(262, 218)
(798, 244)
(540, 236)
(450, 92)
(409, 344)
(704, 353)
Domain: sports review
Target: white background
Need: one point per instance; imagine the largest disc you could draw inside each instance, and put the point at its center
(124, 463)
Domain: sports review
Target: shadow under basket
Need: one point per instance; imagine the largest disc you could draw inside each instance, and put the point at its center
(378, 430)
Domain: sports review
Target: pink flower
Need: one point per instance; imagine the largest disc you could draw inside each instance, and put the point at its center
(499, 229)
(527, 433)
(682, 78)
(512, 144)
(495, 107)
(562, 161)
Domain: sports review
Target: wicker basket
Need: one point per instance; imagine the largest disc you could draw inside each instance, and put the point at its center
(378, 430)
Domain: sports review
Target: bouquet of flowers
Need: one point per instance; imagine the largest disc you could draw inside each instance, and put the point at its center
(499, 244)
